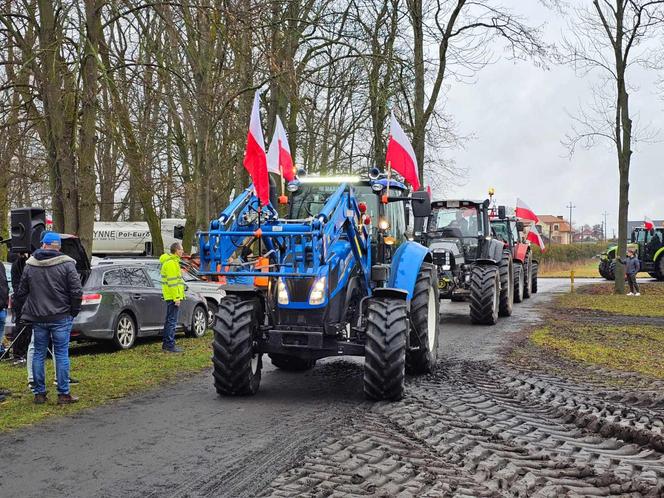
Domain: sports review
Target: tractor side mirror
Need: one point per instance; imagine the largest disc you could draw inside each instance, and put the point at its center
(421, 204)
(501, 212)
(178, 232)
(519, 226)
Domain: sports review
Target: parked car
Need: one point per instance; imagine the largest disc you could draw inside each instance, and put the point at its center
(122, 303)
(211, 291)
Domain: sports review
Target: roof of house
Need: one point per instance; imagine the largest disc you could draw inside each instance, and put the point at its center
(549, 219)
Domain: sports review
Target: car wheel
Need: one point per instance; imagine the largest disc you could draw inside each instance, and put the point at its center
(124, 335)
(212, 311)
(199, 322)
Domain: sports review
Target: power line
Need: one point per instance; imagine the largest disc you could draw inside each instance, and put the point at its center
(571, 206)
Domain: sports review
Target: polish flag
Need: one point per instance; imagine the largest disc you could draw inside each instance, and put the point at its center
(648, 224)
(535, 237)
(255, 160)
(400, 154)
(279, 159)
(524, 212)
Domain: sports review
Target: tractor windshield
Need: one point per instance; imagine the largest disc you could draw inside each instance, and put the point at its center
(310, 199)
(501, 230)
(457, 222)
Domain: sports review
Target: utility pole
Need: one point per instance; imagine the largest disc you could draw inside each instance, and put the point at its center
(571, 206)
(605, 214)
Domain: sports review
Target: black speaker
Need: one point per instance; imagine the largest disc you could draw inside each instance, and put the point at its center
(28, 224)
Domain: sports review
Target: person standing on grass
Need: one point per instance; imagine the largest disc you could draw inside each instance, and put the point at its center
(49, 296)
(4, 302)
(172, 287)
(632, 267)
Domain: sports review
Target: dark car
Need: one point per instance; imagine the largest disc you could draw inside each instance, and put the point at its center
(123, 303)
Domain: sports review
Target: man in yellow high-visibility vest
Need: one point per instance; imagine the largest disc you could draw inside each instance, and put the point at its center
(172, 287)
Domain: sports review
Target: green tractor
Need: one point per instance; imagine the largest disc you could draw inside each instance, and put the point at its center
(649, 247)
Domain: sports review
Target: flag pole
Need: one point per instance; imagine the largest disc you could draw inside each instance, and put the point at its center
(389, 177)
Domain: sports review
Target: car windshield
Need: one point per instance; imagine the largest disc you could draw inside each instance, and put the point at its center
(455, 221)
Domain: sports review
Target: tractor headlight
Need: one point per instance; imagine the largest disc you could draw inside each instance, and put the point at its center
(282, 292)
(376, 187)
(317, 294)
(383, 224)
(446, 267)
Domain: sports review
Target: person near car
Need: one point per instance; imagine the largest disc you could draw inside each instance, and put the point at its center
(23, 331)
(49, 296)
(632, 267)
(172, 288)
(4, 302)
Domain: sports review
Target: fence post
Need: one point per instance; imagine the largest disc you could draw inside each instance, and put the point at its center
(571, 278)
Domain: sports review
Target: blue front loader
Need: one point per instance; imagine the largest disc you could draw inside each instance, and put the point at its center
(321, 281)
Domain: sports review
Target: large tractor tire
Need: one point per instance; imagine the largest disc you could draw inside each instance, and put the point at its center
(533, 282)
(385, 349)
(527, 276)
(236, 365)
(519, 282)
(291, 363)
(603, 269)
(506, 269)
(484, 294)
(424, 307)
(659, 268)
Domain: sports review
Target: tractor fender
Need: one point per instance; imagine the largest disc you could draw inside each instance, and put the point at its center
(520, 252)
(390, 292)
(660, 252)
(489, 262)
(406, 264)
(492, 250)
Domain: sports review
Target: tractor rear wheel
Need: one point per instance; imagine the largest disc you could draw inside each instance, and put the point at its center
(533, 283)
(385, 349)
(291, 363)
(424, 307)
(519, 282)
(484, 294)
(236, 364)
(506, 269)
(527, 276)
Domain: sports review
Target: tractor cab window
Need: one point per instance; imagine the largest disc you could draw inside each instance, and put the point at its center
(642, 236)
(308, 201)
(515, 232)
(396, 218)
(459, 222)
(501, 231)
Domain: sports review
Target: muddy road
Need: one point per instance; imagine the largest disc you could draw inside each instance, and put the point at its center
(477, 427)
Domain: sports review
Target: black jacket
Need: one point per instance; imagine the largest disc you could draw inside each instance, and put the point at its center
(50, 288)
(17, 270)
(4, 288)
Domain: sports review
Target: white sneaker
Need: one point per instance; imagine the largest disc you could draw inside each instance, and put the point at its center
(630, 294)
(637, 294)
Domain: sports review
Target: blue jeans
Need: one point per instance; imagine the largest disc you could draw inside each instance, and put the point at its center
(3, 318)
(170, 324)
(58, 332)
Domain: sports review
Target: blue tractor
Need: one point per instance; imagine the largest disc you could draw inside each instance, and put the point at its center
(334, 275)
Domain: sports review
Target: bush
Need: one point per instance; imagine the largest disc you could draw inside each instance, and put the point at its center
(570, 253)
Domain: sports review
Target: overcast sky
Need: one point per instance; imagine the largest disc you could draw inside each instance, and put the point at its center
(519, 114)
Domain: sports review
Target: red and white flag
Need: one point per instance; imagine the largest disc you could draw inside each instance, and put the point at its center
(279, 159)
(400, 154)
(535, 237)
(524, 212)
(648, 224)
(255, 160)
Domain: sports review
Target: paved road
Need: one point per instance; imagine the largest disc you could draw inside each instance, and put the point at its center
(185, 441)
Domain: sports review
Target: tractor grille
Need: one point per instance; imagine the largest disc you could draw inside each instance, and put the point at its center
(298, 289)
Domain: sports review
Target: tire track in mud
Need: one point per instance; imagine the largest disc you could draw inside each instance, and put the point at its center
(476, 429)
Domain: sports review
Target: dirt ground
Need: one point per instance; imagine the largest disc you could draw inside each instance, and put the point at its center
(479, 426)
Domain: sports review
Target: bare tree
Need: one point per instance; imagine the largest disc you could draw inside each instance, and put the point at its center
(610, 37)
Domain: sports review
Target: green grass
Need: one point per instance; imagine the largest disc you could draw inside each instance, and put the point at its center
(104, 375)
(600, 297)
(625, 348)
(582, 269)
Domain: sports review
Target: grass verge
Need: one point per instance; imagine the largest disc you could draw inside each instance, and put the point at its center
(619, 342)
(587, 268)
(626, 348)
(104, 375)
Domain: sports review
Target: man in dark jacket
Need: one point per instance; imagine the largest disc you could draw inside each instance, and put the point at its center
(632, 267)
(22, 331)
(49, 296)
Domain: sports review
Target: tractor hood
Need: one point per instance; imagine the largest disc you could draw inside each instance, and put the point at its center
(453, 246)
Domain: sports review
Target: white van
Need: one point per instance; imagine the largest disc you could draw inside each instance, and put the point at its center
(132, 238)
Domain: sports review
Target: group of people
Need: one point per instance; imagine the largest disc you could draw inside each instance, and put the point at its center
(47, 297)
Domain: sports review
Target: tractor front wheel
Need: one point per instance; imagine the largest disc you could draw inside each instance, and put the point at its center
(385, 349)
(424, 307)
(484, 294)
(533, 283)
(236, 363)
(506, 285)
(527, 276)
(659, 268)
